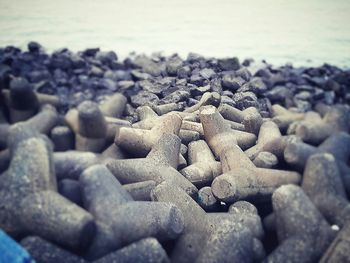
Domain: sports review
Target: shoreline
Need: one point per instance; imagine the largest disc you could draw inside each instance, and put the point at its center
(93, 74)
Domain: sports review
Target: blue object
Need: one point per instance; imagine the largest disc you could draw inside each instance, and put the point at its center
(11, 251)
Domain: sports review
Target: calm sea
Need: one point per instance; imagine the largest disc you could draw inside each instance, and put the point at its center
(307, 32)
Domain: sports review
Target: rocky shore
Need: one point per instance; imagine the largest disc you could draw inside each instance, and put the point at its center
(161, 159)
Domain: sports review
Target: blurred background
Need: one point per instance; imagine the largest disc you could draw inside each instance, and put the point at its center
(301, 32)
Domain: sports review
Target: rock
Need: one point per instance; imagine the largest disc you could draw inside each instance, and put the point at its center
(207, 73)
(229, 64)
(196, 79)
(173, 65)
(245, 100)
(137, 75)
(96, 72)
(227, 100)
(304, 95)
(244, 73)
(199, 91)
(255, 85)
(177, 96)
(34, 47)
(90, 52)
(149, 66)
(183, 72)
(106, 57)
(279, 94)
(232, 82)
(215, 85)
(47, 87)
(144, 97)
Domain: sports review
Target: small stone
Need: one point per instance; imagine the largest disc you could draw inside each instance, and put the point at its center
(245, 100)
(144, 97)
(229, 64)
(232, 82)
(137, 75)
(106, 57)
(177, 96)
(255, 85)
(279, 94)
(198, 91)
(34, 47)
(207, 73)
(172, 65)
(183, 72)
(244, 73)
(227, 100)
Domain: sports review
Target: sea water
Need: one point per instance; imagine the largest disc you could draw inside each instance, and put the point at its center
(303, 32)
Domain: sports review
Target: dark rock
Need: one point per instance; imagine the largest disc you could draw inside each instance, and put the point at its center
(215, 85)
(199, 91)
(137, 75)
(96, 72)
(34, 47)
(207, 73)
(264, 105)
(47, 87)
(191, 102)
(244, 73)
(125, 85)
(177, 96)
(329, 97)
(90, 52)
(197, 80)
(108, 84)
(304, 95)
(149, 66)
(106, 57)
(183, 72)
(37, 76)
(173, 65)
(245, 100)
(279, 93)
(232, 82)
(118, 75)
(144, 97)
(229, 64)
(318, 94)
(302, 105)
(227, 100)
(255, 85)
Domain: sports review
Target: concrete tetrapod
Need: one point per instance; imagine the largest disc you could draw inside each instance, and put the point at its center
(203, 167)
(338, 251)
(283, 117)
(250, 117)
(335, 120)
(241, 180)
(297, 153)
(139, 142)
(302, 231)
(30, 202)
(208, 98)
(323, 184)
(92, 128)
(205, 238)
(114, 106)
(23, 103)
(121, 220)
(146, 250)
(217, 133)
(158, 166)
(310, 116)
